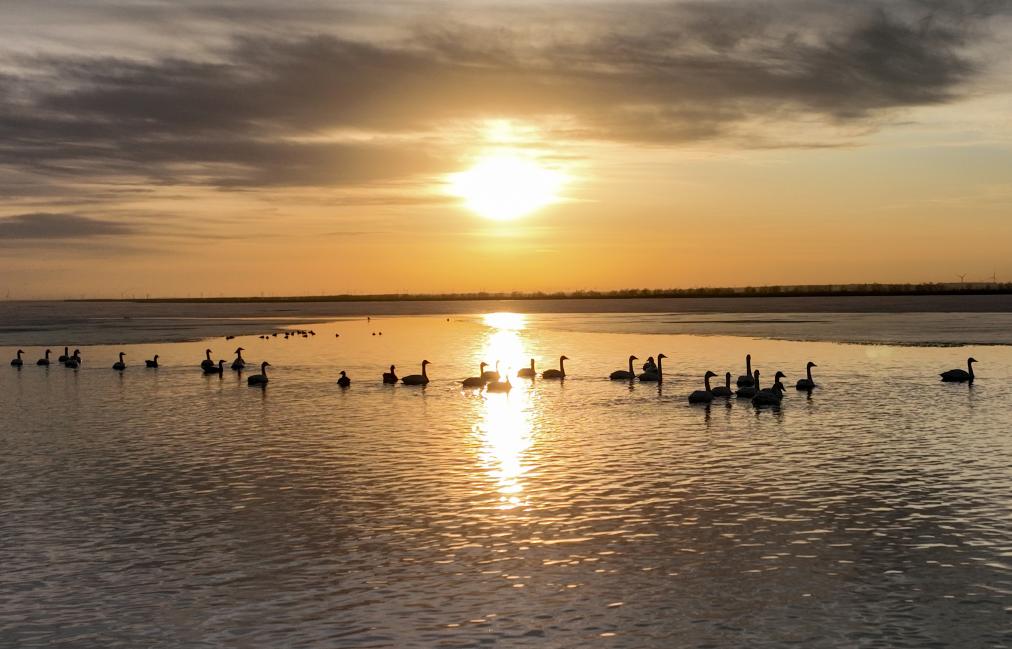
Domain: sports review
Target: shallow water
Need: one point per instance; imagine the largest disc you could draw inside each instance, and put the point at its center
(163, 508)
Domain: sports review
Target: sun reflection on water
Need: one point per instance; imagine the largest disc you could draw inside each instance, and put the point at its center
(505, 427)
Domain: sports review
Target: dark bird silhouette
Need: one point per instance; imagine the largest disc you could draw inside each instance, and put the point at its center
(17, 362)
(344, 381)
(218, 369)
(44, 361)
(499, 386)
(807, 383)
(748, 391)
(654, 377)
(476, 381)
(65, 356)
(417, 379)
(705, 395)
(207, 362)
(261, 378)
(960, 376)
(119, 365)
(525, 372)
(746, 379)
(239, 362)
(559, 373)
(723, 390)
(624, 375)
(152, 362)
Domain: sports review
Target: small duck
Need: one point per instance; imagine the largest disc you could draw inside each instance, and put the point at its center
(344, 381)
(119, 365)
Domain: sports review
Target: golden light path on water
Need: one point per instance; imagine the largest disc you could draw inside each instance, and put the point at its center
(505, 429)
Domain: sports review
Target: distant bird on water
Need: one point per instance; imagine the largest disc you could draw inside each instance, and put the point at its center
(152, 363)
(476, 381)
(746, 379)
(344, 381)
(624, 375)
(525, 372)
(119, 365)
(17, 362)
(417, 379)
(807, 383)
(207, 363)
(748, 391)
(218, 369)
(258, 379)
(770, 396)
(65, 356)
(723, 390)
(960, 376)
(74, 361)
(559, 373)
(238, 363)
(491, 375)
(44, 361)
(705, 395)
(654, 377)
(499, 386)
(390, 378)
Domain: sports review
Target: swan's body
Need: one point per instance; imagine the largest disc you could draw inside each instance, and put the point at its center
(770, 396)
(73, 361)
(559, 373)
(417, 379)
(723, 390)
(654, 377)
(119, 365)
(807, 383)
(705, 395)
(207, 363)
(258, 379)
(960, 376)
(746, 379)
(344, 381)
(490, 375)
(17, 362)
(152, 363)
(218, 369)
(748, 391)
(624, 375)
(499, 386)
(44, 361)
(390, 377)
(476, 381)
(65, 356)
(239, 362)
(527, 372)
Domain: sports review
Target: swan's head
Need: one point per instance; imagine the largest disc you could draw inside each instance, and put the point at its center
(972, 360)
(482, 365)
(424, 363)
(779, 375)
(77, 352)
(49, 351)
(633, 358)
(262, 365)
(239, 349)
(709, 375)
(563, 358)
(121, 355)
(391, 368)
(156, 357)
(748, 358)
(207, 351)
(660, 356)
(20, 351)
(343, 373)
(756, 374)
(727, 375)
(811, 364)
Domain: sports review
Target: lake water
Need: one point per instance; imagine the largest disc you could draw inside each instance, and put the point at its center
(165, 508)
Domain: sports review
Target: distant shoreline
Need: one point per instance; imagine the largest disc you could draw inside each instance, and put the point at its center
(818, 291)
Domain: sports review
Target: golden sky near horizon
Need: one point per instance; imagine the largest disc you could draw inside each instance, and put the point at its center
(227, 149)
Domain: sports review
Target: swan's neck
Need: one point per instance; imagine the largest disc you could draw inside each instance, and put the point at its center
(208, 354)
(809, 373)
(727, 381)
(423, 371)
(706, 382)
(660, 368)
(562, 367)
(969, 368)
(630, 365)
(263, 370)
(748, 365)
(532, 365)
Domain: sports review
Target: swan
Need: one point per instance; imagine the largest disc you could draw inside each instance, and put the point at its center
(500, 386)
(808, 383)
(748, 391)
(258, 379)
(73, 361)
(746, 379)
(559, 373)
(624, 375)
(705, 395)
(152, 363)
(44, 361)
(476, 381)
(491, 376)
(655, 377)
(723, 390)
(960, 376)
(218, 369)
(119, 365)
(65, 356)
(344, 381)
(417, 379)
(770, 396)
(527, 372)
(390, 377)
(238, 363)
(17, 362)
(207, 363)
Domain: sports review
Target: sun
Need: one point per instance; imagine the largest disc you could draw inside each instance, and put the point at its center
(505, 186)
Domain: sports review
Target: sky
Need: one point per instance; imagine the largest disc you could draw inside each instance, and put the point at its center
(307, 147)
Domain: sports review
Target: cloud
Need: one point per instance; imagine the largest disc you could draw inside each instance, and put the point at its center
(324, 109)
(47, 226)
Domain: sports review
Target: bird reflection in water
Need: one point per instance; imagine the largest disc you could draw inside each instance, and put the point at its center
(504, 429)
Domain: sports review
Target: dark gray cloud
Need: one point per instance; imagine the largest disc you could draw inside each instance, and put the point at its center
(46, 226)
(254, 113)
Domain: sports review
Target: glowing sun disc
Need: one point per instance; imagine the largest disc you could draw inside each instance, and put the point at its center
(504, 187)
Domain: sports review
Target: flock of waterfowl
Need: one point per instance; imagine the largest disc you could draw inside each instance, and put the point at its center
(492, 381)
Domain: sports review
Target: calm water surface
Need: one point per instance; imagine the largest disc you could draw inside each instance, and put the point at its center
(163, 508)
